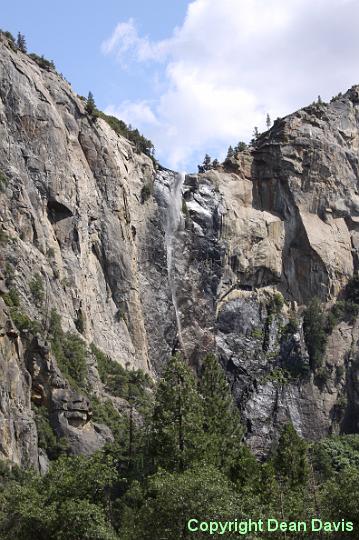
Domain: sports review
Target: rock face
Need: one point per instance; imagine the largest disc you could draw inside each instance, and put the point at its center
(255, 240)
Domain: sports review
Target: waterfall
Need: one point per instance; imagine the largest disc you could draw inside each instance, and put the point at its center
(173, 227)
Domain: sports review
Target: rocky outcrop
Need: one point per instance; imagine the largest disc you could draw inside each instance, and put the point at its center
(84, 228)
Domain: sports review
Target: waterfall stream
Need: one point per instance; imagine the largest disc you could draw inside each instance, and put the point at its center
(173, 227)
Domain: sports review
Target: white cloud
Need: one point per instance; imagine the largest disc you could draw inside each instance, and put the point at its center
(136, 113)
(231, 62)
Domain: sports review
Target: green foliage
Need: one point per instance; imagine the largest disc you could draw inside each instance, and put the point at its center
(9, 273)
(277, 303)
(346, 309)
(314, 333)
(90, 106)
(80, 321)
(241, 147)
(50, 253)
(12, 298)
(105, 413)
(37, 289)
(3, 182)
(221, 421)
(278, 375)
(334, 454)
(112, 374)
(3, 237)
(47, 438)
(257, 333)
(69, 503)
(290, 459)
(146, 192)
(141, 143)
(292, 327)
(171, 499)
(230, 153)
(120, 382)
(8, 35)
(42, 62)
(21, 43)
(70, 352)
(23, 323)
(177, 419)
(340, 498)
(322, 376)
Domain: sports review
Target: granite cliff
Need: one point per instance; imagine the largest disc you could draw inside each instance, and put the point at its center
(140, 263)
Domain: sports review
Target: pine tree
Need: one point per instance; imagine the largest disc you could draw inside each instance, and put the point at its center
(320, 101)
(221, 418)
(255, 133)
(268, 121)
(90, 106)
(176, 430)
(215, 163)
(21, 43)
(314, 333)
(290, 461)
(241, 146)
(230, 153)
(207, 162)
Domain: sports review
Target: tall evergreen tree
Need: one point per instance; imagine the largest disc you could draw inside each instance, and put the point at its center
(290, 460)
(268, 121)
(241, 146)
(215, 163)
(90, 104)
(207, 163)
(176, 430)
(221, 419)
(314, 332)
(21, 43)
(230, 153)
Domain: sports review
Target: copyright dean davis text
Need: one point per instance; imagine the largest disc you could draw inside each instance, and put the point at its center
(269, 525)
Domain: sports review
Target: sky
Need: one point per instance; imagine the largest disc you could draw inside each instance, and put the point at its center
(195, 76)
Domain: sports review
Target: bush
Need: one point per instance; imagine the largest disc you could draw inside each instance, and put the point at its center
(352, 289)
(292, 327)
(42, 62)
(322, 376)
(141, 143)
(314, 323)
(112, 374)
(3, 181)
(241, 147)
(3, 237)
(70, 352)
(334, 454)
(8, 35)
(9, 274)
(146, 193)
(37, 288)
(130, 385)
(105, 413)
(47, 438)
(12, 298)
(23, 323)
(277, 303)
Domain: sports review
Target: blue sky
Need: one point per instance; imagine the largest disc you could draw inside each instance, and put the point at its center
(195, 76)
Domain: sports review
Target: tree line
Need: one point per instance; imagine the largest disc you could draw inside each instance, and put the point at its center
(185, 459)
